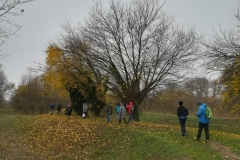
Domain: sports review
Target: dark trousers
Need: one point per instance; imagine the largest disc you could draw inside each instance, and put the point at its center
(130, 118)
(123, 119)
(182, 124)
(202, 126)
(86, 115)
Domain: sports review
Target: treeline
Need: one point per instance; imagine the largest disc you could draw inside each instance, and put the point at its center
(33, 96)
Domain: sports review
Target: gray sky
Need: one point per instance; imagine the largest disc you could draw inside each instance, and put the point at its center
(42, 21)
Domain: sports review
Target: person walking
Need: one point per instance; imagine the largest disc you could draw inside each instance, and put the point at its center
(68, 111)
(203, 121)
(130, 111)
(85, 110)
(59, 108)
(117, 111)
(108, 111)
(182, 113)
(52, 106)
(122, 113)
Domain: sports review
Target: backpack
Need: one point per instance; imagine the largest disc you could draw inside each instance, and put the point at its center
(208, 112)
(69, 110)
(131, 110)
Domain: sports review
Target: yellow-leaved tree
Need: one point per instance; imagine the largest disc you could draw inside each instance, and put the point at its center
(68, 72)
(231, 92)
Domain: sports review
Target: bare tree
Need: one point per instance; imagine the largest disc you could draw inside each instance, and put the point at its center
(138, 46)
(222, 54)
(8, 10)
(223, 48)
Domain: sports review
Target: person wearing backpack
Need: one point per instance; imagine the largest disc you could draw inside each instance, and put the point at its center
(182, 113)
(68, 111)
(118, 108)
(203, 121)
(130, 111)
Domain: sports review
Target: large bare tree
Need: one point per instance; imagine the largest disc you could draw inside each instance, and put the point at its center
(138, 46)
(222, 54)
(223, 48)
(8, 10)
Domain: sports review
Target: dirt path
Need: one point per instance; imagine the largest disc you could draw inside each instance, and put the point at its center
(224, 151)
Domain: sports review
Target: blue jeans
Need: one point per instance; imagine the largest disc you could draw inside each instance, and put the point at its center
(182, 124)
(130, 118)
(108, 118)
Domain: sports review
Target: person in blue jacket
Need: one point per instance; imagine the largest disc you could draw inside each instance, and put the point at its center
(203, 121)
(52, 106)
(118, 108)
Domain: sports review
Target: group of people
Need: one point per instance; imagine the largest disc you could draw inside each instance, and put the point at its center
(52, 106)
(120, 110)
(182, 113)
(69, 109)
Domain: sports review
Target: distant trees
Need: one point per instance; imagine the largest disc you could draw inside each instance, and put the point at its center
(193, 90)
(34, 97)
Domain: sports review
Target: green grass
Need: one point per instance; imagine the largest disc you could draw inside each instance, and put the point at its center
(156, 137)
(220, 124)
(149, 143)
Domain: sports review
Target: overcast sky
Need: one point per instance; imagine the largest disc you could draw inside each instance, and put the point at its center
(42, 21)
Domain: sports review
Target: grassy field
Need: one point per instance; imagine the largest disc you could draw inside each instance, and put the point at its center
(156, 137)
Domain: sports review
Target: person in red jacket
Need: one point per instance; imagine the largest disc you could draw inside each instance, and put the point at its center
(130, 111)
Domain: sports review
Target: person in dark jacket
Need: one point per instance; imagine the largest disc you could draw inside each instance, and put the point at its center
(59, 108)
(68, 111)
(108, 111)
(182, 113)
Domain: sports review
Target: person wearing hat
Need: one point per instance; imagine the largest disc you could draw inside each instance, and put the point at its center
(122, 113)
(203, 121)
(182, 113)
